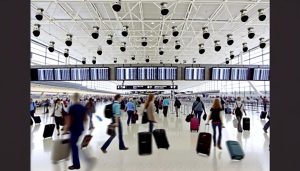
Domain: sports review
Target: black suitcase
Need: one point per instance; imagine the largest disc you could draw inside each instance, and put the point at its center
(160, 138)
(235, 150)
(37, 119)
(31, 122)
(48, 131)
(246, 124)
(204, 143)
(145, 143)
(263, 115)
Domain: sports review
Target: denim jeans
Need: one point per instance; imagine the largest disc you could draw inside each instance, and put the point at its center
(130, 114)
(165, 110)
(121, 142)
(150, 126)
(198, 115)
(214, 126)
(75, 156)
(90, 114)
(267, 125)
(239, 126)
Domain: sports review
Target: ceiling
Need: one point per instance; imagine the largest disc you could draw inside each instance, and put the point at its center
(144, 20)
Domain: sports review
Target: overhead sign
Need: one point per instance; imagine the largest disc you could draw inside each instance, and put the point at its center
(147, 87)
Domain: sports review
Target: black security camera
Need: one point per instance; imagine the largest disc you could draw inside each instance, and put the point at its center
(245, 47)
(125, 31)
(51, 46)
(229, 39)
(95, 33)
(217, 45)
(109, 40)
(39, 14)
(123, 47)
(161, 52)
(262, 43)
(133, 57)
(194, 60)
(244, 16)
(164, 10)
(176, 59)
(201, 48)
(165, 40)
(251, 33)
(147, 59)
(144, 41)
(231, 55)
(99, 50)
(175, 31)
(36, 30)
(117, 6)
(261, 15)
(66, 53)
(115, 60)
(69, 40)
(177, 45)
(227, 61)
(83, 60)
(206, 34)
(94, 60)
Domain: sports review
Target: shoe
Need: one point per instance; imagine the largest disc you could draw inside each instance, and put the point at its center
(73, 167)
(219, 146)
(104, 151)
(265, 131)
(125, 148)
(215, 145)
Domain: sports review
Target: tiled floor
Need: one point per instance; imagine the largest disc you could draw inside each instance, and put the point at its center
(181, 155)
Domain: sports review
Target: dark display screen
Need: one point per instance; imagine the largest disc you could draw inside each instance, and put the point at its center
(167, 73)
(99, 73)
(220, 73)
(261, 74)
(194, 73)
(239, 73)
(80, 74)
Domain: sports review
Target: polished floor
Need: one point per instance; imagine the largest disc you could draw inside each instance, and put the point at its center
(181, 155)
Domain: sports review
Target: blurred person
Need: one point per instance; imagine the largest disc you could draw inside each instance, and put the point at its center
(265, 102)
(156, 103)
(58, 114)
(177, 105)
(149, 106)
(165, 105)
(267, 125)
(47, 104)
(75, 124)
(116, 121)
(238, 111)
(90, 106)
(32, 108)
(217, 121)
(198, 108)
(130, 108)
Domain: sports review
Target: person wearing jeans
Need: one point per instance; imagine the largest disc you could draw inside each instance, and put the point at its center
(32, 108)
(130, 108)
(198, 108)
(238, 111)
(90, 106)
(217, 122)
(116, 121)
(165, 105)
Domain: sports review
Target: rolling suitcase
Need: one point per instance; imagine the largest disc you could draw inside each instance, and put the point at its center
(37, 119)
(194, 124)
(145, 143)
(48, 130)
(263, 115)
(204, 143)
(246, 124)
(160, 138)
(86, 140)
(61, 150)
(235, 150)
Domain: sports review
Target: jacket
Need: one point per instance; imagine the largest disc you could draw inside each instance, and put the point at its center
(150, 111)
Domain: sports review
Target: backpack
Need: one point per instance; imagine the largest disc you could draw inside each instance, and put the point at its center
(108, 111)
(238, 110)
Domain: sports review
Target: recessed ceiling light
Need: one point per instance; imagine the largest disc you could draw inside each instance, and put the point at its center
(152, 23)
(173, 22)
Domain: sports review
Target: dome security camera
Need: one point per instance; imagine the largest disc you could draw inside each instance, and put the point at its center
(69, 40)
(227, 61)
(123, 47)
(95, 33)
(164, 10)
(99, 50)
(177, 45)
(245, 47)
(206, 34)
(217, 45)
(251, 33)
(144, 41)
(109, 40)
(117, 6)
(176, 59)
(133, 57)
(201, 48)
(262, 43)
(161, 62)
(165, 40)
(115, 60)
(244, 16)
(83, 60)
(231, 55)
(161, 52)
(39, 14)
(261, 15)
(147, 59)
(175, 31)
(229, 39)
(194, 60)
(125, 31)
(36, 30)
(51, 46)
(94, 60)
(66, 53)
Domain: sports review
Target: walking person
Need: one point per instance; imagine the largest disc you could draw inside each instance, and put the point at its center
(156, 103)
(238, 111)
(198, 108)
(267, 125)
(91, 109)
(74, 123)
(130, 108)
(58, 114)
(165, 105)
(149, 106)
(32, 108)
(116, 121)
(265, 102)
(217, 122)
(177, 105)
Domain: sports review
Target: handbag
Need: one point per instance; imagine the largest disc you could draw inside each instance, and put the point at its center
(145, 117)
(111, 130)
(204, 116)
(189, 117)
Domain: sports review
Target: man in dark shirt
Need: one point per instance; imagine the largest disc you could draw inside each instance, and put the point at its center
(75, 120)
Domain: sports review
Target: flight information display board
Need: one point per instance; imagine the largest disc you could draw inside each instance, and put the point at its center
(99, 73)
(45, 74)
(239, 74)
(220, 73)
(126, 73)
(80, 74)
(194, 73)
(261, 74)
(62, 74)
(147, 73)
(167, 73)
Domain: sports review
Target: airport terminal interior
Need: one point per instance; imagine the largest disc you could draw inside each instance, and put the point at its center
(172, 49)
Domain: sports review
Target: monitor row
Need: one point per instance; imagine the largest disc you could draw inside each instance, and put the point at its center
(149, 73)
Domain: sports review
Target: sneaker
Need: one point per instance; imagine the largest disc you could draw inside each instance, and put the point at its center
(265, 131)
(125, 148)
(74, 167)
(104, 151)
